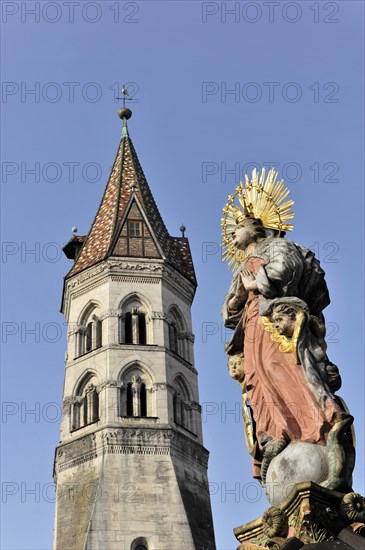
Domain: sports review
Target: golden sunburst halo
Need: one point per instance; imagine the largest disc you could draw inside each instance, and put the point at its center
(259, 198)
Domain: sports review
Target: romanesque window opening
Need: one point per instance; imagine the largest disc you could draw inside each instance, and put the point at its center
(133, 325)
(89, 334)
(177, 342)
(135, 397)
(177, 408)
(139, 544)
(173, 344)
(183, 412)
(85, 409)
(91, 405)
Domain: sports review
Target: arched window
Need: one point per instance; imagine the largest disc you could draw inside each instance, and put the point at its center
(134, 325)
(90, 332)
(139, 544)
(86, 403)
(173, 345)
(178, 342)
(135, 395)
(183, 412)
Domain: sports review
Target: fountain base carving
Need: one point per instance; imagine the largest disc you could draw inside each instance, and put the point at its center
(309, 514)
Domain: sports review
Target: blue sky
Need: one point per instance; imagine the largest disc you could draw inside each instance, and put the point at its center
(215, 92)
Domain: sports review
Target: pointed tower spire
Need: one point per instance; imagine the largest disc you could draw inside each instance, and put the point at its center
(131, 426)
(128, 193)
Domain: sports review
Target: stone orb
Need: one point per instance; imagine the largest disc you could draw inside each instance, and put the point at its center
(298, 462)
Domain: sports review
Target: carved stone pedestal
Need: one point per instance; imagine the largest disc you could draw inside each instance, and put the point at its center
(310, 514)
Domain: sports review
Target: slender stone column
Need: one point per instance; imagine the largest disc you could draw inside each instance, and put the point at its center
(135, 332)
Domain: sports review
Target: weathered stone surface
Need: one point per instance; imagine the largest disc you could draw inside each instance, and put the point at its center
(128, 492)
(120, 477)
(297, 463)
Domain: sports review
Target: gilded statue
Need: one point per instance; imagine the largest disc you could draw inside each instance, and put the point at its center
(278, 352)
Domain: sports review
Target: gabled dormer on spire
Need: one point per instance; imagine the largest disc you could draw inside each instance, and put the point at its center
(128, 222)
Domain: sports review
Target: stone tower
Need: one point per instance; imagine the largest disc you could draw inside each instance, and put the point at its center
(131, 469)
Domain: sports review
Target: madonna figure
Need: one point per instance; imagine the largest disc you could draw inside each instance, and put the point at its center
(274, 306)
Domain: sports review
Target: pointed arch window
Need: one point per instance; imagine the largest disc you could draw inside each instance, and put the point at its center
(86, 404)
(183, 412)
(134, 325)
(173, 344)
(90, 332)
(139, 544)
(178, 342)
(135, 397)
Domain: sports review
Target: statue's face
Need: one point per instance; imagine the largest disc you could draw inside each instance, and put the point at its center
(284, 323)
(245, 233)
(235, 367)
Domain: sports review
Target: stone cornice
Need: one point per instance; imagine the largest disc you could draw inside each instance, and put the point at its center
(126, 440)
(178, 283)
(140, 271)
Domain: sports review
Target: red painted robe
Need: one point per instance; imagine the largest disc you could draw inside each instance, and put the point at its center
(283, 404)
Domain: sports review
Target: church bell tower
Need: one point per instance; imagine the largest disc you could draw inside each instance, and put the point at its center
(131, 468)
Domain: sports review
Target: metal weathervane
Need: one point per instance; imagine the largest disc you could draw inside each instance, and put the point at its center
(125, 94)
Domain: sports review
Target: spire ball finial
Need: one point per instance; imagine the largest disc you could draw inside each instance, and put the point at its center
(124, 112)
(133, 186)
(74, 230)
(182, 229)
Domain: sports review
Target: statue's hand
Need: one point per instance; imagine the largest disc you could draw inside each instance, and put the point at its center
(333, 377)
(239, 298)
(248, 280)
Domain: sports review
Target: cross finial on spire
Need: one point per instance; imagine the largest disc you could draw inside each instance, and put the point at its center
(125, 113)
(125, 93)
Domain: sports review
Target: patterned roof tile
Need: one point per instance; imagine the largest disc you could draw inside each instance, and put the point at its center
(127, 170)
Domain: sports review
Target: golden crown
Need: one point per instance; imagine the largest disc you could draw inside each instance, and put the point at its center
(259, 198)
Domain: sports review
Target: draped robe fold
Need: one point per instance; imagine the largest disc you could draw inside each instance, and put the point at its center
(285, 402)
